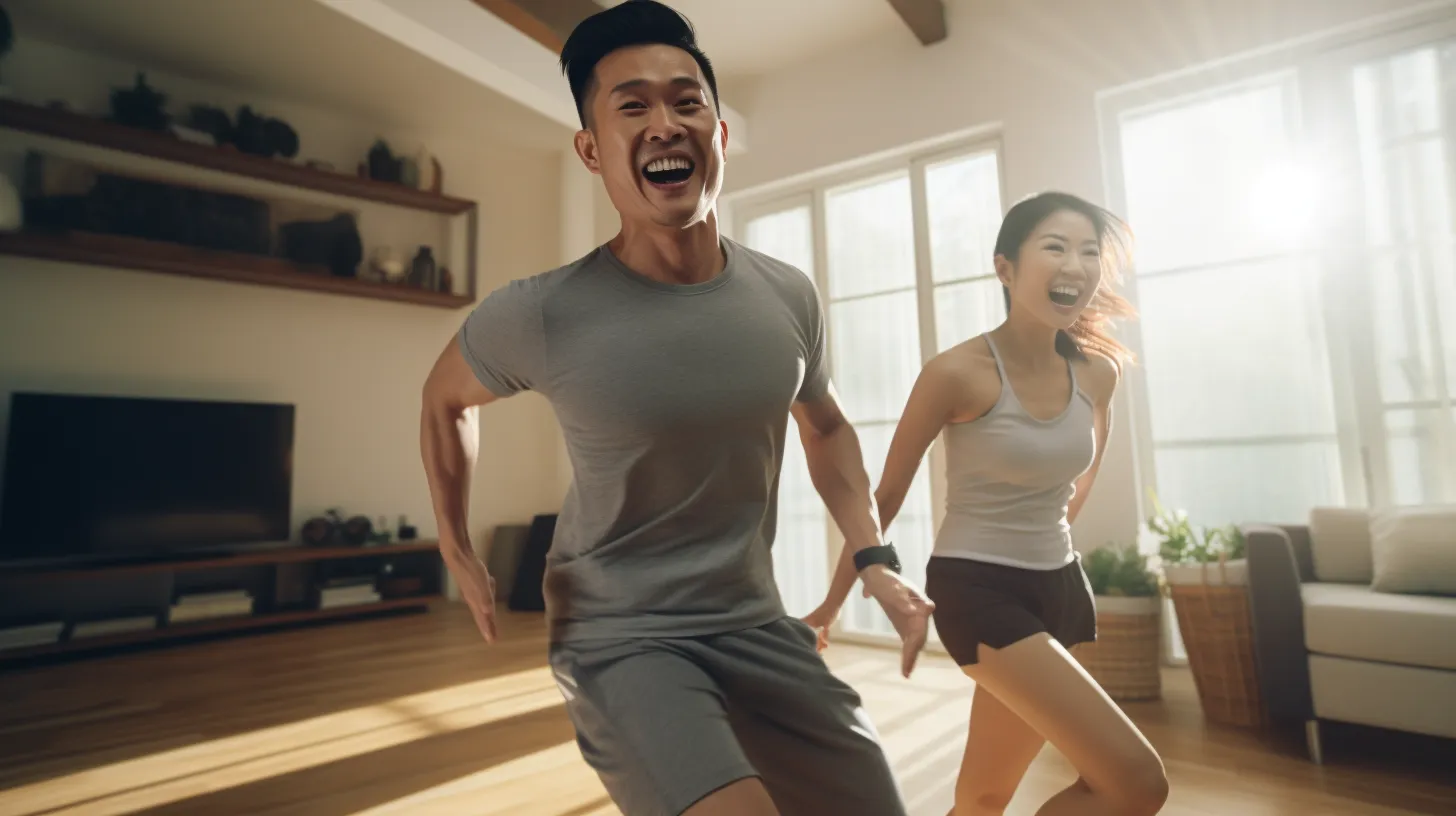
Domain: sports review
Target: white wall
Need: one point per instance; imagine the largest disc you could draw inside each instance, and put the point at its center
(1033, 67)
(352, 366)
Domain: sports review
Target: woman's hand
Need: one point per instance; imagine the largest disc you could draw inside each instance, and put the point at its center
(820, 620)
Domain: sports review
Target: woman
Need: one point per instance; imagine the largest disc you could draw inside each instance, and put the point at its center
(1025, 410)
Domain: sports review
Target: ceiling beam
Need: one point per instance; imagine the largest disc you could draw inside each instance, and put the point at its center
(548, 22)
(926, 19)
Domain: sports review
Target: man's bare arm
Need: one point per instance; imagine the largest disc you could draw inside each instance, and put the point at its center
(449, 445)
(836, 466)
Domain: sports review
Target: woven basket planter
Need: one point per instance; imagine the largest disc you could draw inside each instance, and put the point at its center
(1212, 604)
(1126, 659)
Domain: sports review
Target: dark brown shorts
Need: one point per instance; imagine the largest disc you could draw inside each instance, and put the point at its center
(978, 602)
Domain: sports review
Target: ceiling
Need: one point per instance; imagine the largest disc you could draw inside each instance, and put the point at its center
(746, 39)
(292, 49)
(306, 52)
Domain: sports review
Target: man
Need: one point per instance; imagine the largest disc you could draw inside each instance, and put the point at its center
(673, 358)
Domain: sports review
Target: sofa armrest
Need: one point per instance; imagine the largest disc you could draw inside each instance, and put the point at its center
(1276, 608)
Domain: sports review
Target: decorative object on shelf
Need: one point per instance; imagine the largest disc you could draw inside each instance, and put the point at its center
(213, 121)
(383, 165)
(332, 529)
(140, 106)
(1126, 659)
(406, 531)
(12, 212)
(319, 530)
(1206, 575)
(249, 132)
(381, 534)
(334, 244)
(356, 531)
(264, 136)
(387, 264)
(423, 271)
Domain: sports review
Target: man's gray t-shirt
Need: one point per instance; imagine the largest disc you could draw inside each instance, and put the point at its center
(674, 402)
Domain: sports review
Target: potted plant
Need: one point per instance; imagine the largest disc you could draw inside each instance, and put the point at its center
(1206, 575)
(1126, 657)
(1193, 555)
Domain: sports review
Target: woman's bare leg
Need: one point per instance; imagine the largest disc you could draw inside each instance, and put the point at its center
(1000, 746)
(1045, 686)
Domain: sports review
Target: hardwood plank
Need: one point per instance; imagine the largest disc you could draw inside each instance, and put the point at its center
(415, 715)
(75, 127)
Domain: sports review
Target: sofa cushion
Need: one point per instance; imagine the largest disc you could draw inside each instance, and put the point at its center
(1408, 698)
(1339, 543)
(1414, 549)
(1350, 620)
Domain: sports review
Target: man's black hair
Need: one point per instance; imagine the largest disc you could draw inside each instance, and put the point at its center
(635, 22)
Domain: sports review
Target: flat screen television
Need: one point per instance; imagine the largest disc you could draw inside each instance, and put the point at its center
(100, 478)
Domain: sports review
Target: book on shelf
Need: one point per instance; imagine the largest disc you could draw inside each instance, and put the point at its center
(210, 605)
(114, 626)
(347, 595)
(213, 597)
(22, 635)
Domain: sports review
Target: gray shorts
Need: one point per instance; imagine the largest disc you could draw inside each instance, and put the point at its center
(666, 721)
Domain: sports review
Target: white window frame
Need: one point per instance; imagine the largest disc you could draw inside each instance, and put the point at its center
(812, 189)
(1314, 62)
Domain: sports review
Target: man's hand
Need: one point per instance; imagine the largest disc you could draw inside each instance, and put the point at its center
(907, 608)
(478, 590)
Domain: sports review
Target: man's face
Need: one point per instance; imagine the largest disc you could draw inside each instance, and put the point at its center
(654, 136)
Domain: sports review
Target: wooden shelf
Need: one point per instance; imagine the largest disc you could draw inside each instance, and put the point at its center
(90, 130)
(155, 256)
(213, 627)
(245, 558)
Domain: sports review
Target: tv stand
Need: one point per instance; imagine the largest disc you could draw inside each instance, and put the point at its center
(283, 583)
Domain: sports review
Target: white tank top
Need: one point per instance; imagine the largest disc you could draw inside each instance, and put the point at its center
(1009, 477)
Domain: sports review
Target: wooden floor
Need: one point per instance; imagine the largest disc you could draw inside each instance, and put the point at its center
(415, 715)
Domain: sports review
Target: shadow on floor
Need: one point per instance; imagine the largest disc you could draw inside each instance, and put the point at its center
(369, 780)
(66, 717)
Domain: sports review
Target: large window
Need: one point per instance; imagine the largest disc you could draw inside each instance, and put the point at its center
(901, 253)
(1296, 282)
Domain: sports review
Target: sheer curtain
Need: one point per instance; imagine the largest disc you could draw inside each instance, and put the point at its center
(1404, 105)
(1297, 285)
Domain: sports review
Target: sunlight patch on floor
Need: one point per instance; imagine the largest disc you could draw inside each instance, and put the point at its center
(170, 776)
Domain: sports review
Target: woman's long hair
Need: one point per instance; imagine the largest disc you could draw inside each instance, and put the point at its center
(1114, 238)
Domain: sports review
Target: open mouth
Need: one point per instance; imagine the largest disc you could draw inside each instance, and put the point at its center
(1065, 295)
(668, 171)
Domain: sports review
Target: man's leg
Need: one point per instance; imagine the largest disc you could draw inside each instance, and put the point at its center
(803, 728)
(652, 724)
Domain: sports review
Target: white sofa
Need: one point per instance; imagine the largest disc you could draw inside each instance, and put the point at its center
(1354, 618)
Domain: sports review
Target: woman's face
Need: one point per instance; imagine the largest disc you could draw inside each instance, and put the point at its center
(1058, 271)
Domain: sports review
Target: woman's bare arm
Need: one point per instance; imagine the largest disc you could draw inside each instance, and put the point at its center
(931, 404)
(1101, 377)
